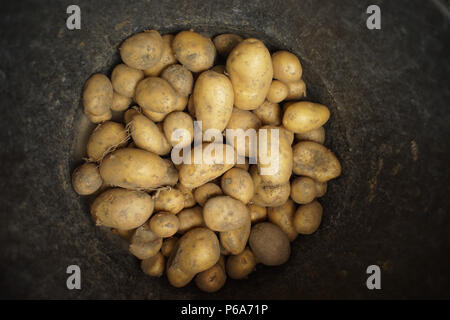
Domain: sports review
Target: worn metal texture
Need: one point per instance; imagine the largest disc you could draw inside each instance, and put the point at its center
(388, 91)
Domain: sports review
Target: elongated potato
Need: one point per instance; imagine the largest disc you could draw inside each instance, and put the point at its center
(97, 95)
(167, 57)
(224, 213)
(278, 92)
(120, 103)
(194, 51)
(316, 135)
(269, 113)
(286, 66)
(211, 280)
(307, 218)
(190, 218)
(303, 190)
(153, 266)
(142, 50)
(241, 265)
(125, 79)
(213, 100)
(238, 183)
(137, 169)
(180, 78)
(257, 213)
(313, 160)
(269, 244)
(145, 243)
(156, 94)
(303, 116)
(86, 179)
(245, 141)
(171, 200)
(164, 224)
(205, 192)
(296, 90)
(234, 241)
(148, 136)
(105, 138)
(179, 129)
(283, 217)
(250, 68)
(226, 42)
(122, 209)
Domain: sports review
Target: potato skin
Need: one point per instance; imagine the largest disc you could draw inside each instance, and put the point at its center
(296, 90)
(180, 78)
(303, 116)
(148, 136)
(153, 266)
(179, 120)
(213, 100)
(303, 190)
(86, 179)
(101, 118)
(321, 189)
(268, 195)
(145, 243)
(283, 217)
(154, 116)
(125, 79)
(316, 135)
(168, 245)
(257, 213)
(212, 279)
(120, 103)
(164, 224)
(226, 42)
(269, 244)
(224, 213)
(122, 209)
(238, 183)
(250, 68)
(234, 241)
(97, 95)
(190, 218)
(286, 66)
(307, 218)
(245, 120)
(241, 265)
(188, 195)
(194, 51)
(278, 91)
(156, 94)
(142, 50)
(269, 113)
(313, 160)
(105, 138)
(169, 200)
(205, 192)
(167, 57)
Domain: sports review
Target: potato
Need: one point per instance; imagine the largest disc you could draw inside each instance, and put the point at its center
(124, 234)
(316, 135)
(137, 169)
(321, 189)
(223, 251)
(101, 118)
(269, 113)
(212, 279)
(154, 116)
(245, 143)
(179, 129)
(213, 100)
(211, 166)
(224, 213)
(268, 195)
(303, 116)
(129, 114)
(286, 66)
(283, 217)
(122, 209)
(226, 42)
(120, 103)
(167, 57)
(180, 78)
(191, 106)
(238, 183)
(313, 160)
(196, 251)
(250, 68)
(269, 244)
(222, 261)
(145, 243)
(171, 200)
(188, 195)
(153, 266)
(148, 136)
(194, 51)
(168, 245)
(219, 69)
(278, 91)
(289, 135)
(241, 265)
(257, 213)
(296, 90)
(303, 190)
(86, 179)
(234, 241)
(190, 218)
(164, 224)
(156, 94)
(307, 218)
(125, 79)
(97, 95)
(105, 138)
(142, 50)
(205, 192)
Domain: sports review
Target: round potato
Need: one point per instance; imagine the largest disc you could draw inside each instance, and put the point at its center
(145, 243)
(213, 100)
(241, 265)
(296, 90)
(97, 95)
(286, 66)
(122, 209)
(283, 217)
(86, 179)
(303, 116)
(212, 279)
(164, 224)
(226, 42)
(269, 113)
(238, 183)
(268, 195)
(224, 213)
(313, 160)
(278, 91)
(307, 218)
(171, 200)
(156, 94)
(101, 118)
(146, 135)
(167, 57)
(142, 50)
(190, 218)
(303, 190)
(194, 51)
(180, 78)
(321, 189)
(234, 241)
(257, 213)
(188, 195)
(125, 79)
(250, 68)
(153, 266)
(105, 138)
(179, 129)
(269, 244)
(168, 245)
(316, 135)
(242, 132)
(205, 192)
(120, 103)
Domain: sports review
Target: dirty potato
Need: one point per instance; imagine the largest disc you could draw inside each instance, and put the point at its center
(142, 50)
(307, 218)
(238, 183)
(104, 139)
(164, 224)
(194, 51)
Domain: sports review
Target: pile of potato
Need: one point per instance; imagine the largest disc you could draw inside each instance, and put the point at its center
(203, 221)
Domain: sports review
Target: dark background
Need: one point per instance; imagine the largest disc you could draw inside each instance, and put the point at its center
(388, 91)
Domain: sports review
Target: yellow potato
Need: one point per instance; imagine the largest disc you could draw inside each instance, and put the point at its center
(269, 244)
(245, 142)
(296, 90)
(171, 200)
(234, 241)
(124, 234)
(257, 213)
(167, 57)
(146, 135)
(269, 113)
(238, 183)
(220, 68)
(97, 95)
(313, 160)
(188, 195)
(194, 51)
(86, 179)
(191, 106)
(125, 79)
(224, 213)
(213, 100)
(303, 116)
(145, 243)
(129, 114)
(307, 218)
(321, 189)
(105, 138)
(303, 190)
(168, 245)
(212, 279)
(153, 266)
(283, 217)
(226, 42)
(154, 116)
(142, 50)
(286, 66)
(122, 209)
(179, 129)
(164, 224)
(120, 103)
(250, 68)
(101, 118)
(180, 78)
(241, 265)
(190, 218)
(156, 94)
(316, 135)
(268, 195)
(278, 91)
(205, 192)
